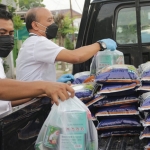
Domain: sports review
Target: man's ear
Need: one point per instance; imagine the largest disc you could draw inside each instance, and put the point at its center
(34, 25)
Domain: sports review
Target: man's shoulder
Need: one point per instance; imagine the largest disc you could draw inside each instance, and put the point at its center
(39, 41)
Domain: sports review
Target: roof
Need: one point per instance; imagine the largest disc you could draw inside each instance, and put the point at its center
(65, 12)
(8, 3)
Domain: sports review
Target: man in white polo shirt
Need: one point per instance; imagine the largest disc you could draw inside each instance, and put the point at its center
(19, 92)
(37, 56)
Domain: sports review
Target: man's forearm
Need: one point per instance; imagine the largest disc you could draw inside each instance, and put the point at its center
(19, 102)
(86, 52)
(19, 89)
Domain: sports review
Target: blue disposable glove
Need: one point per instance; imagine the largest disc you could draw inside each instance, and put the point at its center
(111, 44)
(66, 77)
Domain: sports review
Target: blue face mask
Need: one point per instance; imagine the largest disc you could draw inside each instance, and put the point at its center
(51, 30)
(6, 45)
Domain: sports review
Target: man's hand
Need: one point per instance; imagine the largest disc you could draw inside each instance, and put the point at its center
(57, 91)
(110, 44)
(66, 77)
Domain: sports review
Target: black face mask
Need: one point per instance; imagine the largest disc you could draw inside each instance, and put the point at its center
(6, 45)
(51, 31)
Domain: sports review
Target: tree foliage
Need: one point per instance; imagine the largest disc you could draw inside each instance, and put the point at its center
(65, 27)
(18, 23)
(68, 44)
(27, 4)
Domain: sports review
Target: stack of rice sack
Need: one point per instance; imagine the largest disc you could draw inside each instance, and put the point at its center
(145, 107)
(115, 104)
(83, 77)
(85, 88)
(144, 90)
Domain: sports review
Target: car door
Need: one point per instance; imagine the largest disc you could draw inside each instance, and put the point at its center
(101, 24)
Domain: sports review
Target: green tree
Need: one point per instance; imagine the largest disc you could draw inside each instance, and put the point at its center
(65, 27)
(18, 23)
(69, 44)
(27, 4)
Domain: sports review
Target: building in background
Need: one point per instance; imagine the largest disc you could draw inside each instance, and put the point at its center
(76, 15)
(64, 12)
(5, 3)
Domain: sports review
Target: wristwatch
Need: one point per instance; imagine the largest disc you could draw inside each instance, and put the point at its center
(102, 45)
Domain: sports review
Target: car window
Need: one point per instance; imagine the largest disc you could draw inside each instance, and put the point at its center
(126, 31)
(145, 24)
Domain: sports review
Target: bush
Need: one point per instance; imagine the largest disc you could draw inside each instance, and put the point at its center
(69, 44)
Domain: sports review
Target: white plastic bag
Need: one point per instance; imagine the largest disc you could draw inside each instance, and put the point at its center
(68, 127)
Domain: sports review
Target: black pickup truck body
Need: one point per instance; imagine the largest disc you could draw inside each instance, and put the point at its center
(125, 21)
(19, 129)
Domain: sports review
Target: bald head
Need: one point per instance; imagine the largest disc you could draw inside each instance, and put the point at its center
(35, 14)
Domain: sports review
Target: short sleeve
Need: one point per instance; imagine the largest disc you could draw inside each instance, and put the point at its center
(46, 51)
(2, 73)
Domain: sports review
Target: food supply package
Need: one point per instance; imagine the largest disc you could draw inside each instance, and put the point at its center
(144, 70)
(119, 89)
(84, 91)
(102, 101)
(105, 58)
(145, 102)
(118, 123)
(143, 88)
(83, 77)
(129, 132)
(118, 73)
(147, 147)
(121, 110)
(145, 133)
(68, 127)
(146, 121)
(96, 98)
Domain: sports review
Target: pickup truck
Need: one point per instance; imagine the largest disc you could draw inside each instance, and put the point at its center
(125, 21)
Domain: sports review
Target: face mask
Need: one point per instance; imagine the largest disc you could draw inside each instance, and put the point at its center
(6, 45)
(51, 30)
